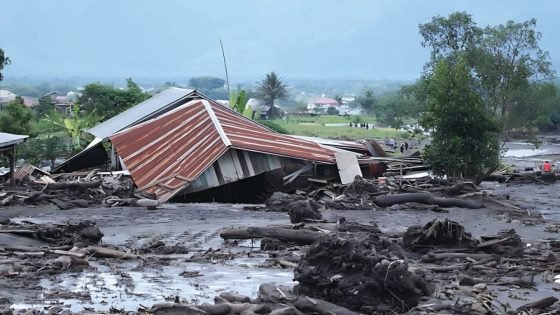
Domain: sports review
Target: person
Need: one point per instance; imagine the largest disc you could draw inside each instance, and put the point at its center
(406, 145)
(547, 167)
(402, 148)
(351, 124)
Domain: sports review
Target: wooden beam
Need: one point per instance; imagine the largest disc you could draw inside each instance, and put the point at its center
(13, 166)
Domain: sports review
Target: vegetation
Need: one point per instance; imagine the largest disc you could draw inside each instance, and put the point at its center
(464, 138)
(314, 129)
(271, 88)
(107, 101)
(4, 61)
(238, 103)
(210, 86)
(478, 83)
(16, 118)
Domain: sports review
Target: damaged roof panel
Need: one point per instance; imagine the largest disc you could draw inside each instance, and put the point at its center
(147, 109)
(247, 134)
(171, 150)
(167, 153)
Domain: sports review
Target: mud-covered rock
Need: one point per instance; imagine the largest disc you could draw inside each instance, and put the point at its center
(359, 272)
(281, 202)
(304, 211)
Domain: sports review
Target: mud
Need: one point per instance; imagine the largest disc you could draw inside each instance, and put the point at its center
(187, 260)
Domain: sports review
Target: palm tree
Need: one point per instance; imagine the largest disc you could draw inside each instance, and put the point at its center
(271, 88)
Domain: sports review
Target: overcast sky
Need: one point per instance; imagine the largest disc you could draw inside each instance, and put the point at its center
(297, 38)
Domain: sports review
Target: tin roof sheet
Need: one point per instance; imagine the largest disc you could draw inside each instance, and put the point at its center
(168, 152)
(7, 139)
(141, 112)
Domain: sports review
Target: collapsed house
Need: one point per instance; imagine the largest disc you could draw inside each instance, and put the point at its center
(8, 144)
(184, 146)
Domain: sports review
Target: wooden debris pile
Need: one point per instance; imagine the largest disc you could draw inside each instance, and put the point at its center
(68, 190)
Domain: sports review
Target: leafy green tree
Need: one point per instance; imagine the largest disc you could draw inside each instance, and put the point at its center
(505, 60)
(16, 118)
(332, 111)
(464, 134)
(108, 101)
(75, 125)
(238, 101)
(367, 102)
(271, 88)
(206, 83)
(4, 61)
(338, 99)
(36, 150)
(45, 105)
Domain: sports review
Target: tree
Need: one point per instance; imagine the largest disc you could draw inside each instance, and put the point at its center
(505, 59)
(45, 106)
(464, 134)
(271, 88)
(206, 83)
(338, 99)
(367, 102)
(238, 101)
(49, 148)
(75, 125)
(16, 118)
(332, 111)
(4, 61)
(108, 101)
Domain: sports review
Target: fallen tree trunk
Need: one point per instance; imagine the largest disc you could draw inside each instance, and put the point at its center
(457, 202)
(74, 185)
(424, 198)
(312, 305)
(298, 236)
(430, 257)
(540, 304)
(389, 200)
(236, 234)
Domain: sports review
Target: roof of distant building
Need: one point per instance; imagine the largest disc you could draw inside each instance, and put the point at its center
(319, 100)
(30, 101)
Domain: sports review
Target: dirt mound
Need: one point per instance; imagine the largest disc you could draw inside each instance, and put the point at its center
(361, 272)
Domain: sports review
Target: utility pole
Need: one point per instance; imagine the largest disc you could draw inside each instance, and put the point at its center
(225, 66)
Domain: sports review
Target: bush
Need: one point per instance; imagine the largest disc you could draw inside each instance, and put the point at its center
(273, 126)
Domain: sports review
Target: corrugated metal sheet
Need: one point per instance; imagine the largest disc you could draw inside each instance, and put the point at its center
(7, 139)
(155, 105)
(233, 166)
(249, 135)
(166, 153)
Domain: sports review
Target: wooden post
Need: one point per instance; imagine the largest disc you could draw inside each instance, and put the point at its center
(12, 165)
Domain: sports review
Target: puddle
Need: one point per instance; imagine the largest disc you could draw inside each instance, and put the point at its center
(123, 288)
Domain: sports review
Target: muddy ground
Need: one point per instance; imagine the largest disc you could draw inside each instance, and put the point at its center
(125, 285)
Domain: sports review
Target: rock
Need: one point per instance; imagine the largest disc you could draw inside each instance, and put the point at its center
(175, 309)
(303, 211)
(280, 202)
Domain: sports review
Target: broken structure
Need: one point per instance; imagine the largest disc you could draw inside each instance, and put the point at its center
(8, 144)
(181, 144)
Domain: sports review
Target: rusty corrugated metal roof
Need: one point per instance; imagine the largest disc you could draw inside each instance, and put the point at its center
(165, 154)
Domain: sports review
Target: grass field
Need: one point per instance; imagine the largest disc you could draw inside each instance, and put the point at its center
(315, 127)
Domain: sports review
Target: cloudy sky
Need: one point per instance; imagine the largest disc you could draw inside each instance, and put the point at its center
(373, 39)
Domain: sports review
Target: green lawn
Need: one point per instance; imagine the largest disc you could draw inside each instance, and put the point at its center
(318, 129)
